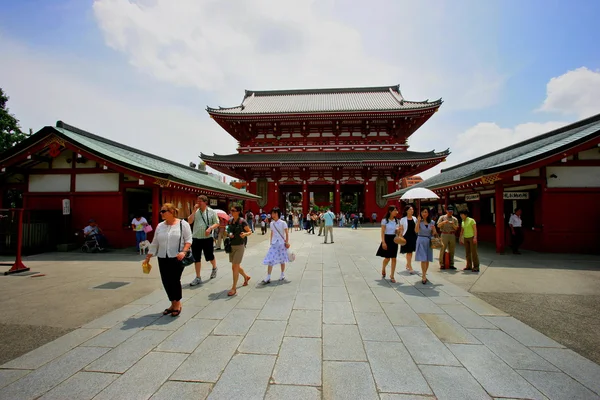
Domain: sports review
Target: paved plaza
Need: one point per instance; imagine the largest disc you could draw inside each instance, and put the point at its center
(333, 330)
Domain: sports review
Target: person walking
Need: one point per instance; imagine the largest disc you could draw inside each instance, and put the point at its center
(205, 221)
(388, 249)
(250, 220)
(138, 223)
(277, 253)
(237, 232)
(468, 237)
(374, 218)
(424, 253)
(328, 218)
(320, 223)
(221, 233)
(172, 240)
(296, 222)
(263, 223)
(516, 230)
(448, 225)
(408, 224)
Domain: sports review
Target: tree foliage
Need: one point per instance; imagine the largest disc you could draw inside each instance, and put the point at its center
(10, 131)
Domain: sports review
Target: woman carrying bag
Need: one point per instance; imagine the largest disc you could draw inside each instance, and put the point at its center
(425, 231)
(277, 253)
(237, 231)
(388, 249)
(171, 244)
(408, 224)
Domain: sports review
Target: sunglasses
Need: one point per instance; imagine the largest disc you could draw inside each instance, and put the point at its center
(164, 211)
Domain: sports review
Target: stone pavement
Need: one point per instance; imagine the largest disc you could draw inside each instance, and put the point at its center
(333, 329)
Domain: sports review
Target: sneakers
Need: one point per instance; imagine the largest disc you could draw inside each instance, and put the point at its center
(213, 274)
(196, 281)
(282, 278)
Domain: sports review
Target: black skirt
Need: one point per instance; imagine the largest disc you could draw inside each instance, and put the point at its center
(411, 239)
(392, 248)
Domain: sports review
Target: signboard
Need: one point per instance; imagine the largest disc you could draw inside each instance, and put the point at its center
(516, 195)
(213, 202)
(472, 197)
(66, 203)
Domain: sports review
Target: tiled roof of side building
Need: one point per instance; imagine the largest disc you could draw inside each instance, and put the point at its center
(514, 156)
(138, 160)
(325, 156)
(382, 98)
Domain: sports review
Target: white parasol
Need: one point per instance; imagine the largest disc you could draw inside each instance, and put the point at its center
(419, 193)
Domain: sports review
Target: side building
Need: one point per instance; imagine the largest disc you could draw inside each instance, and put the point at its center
(63, 176)
(554, 178)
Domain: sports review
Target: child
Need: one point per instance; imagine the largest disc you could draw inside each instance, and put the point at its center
(277, 253)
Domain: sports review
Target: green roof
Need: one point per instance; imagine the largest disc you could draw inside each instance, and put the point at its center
(515, 156)
(135, 160)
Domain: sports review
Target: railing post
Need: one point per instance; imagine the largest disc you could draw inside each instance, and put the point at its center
(18, 266)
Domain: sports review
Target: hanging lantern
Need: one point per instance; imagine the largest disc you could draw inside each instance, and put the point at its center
(295, 197)
(348, 197)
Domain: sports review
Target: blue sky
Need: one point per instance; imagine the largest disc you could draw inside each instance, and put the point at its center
(142, 71)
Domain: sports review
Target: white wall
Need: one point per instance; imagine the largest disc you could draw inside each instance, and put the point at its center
(97, 182)
(50, 183)
(575, 177)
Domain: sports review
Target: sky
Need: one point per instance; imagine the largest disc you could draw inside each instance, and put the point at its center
(142, 72)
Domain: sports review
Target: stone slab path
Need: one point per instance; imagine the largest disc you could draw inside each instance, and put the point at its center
(332, 330)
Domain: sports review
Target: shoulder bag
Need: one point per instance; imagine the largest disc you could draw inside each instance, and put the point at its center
(189, 257)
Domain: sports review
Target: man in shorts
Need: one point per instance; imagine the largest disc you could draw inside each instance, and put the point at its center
(205, 221)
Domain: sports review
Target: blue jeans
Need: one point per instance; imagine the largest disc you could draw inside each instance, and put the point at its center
(140, 236)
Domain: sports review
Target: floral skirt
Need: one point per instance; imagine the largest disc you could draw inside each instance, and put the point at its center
(277, 254)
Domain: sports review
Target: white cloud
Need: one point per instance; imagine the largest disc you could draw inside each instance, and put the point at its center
(577, 93)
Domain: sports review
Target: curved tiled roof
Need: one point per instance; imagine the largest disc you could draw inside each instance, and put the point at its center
(383, 98)
(514, 156)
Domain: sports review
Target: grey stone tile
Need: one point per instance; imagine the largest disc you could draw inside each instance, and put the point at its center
(144, 378)
(122, 357)
(571, 363)
(153, 311)
(48, 352)
(182, 391)
(237, 322)
(314, 286)
(308, 301)
(342, 343)
(112, 318)
(396, 396)
(402, 315)
(425, 347)
(219, 308)
(254, 300)
(376, 326)
(439, 297)
(338, 312)
(387, 295)
(8, 376)
(50, 375)
(556, 385)
(357, 287)
(386, 360)
(511, 351)
(497, 378)
(409, 291)
(481, 307)
(423, 305)
(454, 290)
(335, 293)
(348, 381)
(365, 302)
(82, 385)
(467, 317)
(304, 323)
(333, 280)
(201, 300)
(299, 362)
(152, 298)
(453, 383)
(277, 309)
(189, 336)
(264, 337)
(523, 333)
(278, 392)
(447, 329)
(207, 362)
(119, 333)
(246, 377)
(169, 323)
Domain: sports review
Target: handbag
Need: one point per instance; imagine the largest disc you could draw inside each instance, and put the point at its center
(148, 228)
(399, 239)
(435, 243)
(227, 243)
(189, 257)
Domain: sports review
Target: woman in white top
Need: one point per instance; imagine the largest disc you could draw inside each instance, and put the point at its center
(408, 224)
(138, 224)
(388, 249)
(277, 253)
(172, 240)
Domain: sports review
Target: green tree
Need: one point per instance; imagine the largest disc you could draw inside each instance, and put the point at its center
(10, 131)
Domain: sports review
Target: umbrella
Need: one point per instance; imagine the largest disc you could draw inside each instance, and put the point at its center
(419, 193)
(221, 214)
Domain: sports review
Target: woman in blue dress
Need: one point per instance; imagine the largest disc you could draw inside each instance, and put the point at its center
(425, 229)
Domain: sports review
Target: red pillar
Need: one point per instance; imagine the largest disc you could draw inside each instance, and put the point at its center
(499, 214)
(336, 198)
(305, 198)
(446, 201)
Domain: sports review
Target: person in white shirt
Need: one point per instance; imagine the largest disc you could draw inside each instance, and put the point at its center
(172, 240)
(280, 242)
(138, 224)
(516, 230)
